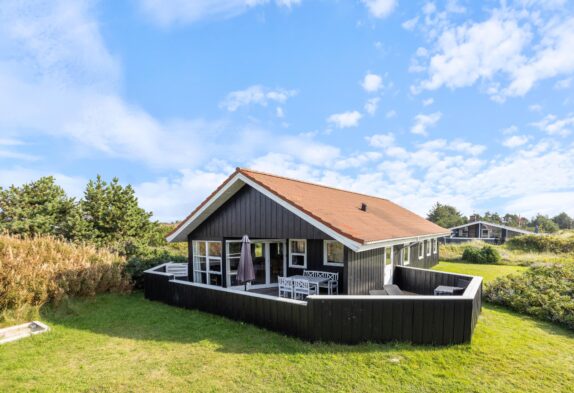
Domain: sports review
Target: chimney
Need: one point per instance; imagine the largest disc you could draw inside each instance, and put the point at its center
(364, 207)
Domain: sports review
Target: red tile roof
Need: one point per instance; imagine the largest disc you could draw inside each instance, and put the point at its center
(340, 210)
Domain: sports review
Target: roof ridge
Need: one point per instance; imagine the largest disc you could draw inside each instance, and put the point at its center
(239, 169)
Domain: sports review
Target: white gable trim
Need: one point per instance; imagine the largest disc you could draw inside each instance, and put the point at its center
(494, 225)
(235, 184)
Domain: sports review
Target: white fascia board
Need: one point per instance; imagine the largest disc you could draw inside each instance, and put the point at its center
(399, 241)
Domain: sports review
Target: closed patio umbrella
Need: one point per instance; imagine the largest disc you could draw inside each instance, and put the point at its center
(245, 271)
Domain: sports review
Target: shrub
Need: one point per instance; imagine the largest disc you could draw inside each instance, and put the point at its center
(545, 292)
(34, 271)
(542, 243)
(485, 254)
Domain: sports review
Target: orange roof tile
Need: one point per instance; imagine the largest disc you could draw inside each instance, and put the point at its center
(341, 210)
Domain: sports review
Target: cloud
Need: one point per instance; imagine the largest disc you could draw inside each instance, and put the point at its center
(256, 94)
(178, 12)
(428, 101)
(508, 53)
(515, 141)
(544, 203)
(552, 125)
(410, 23)
(563, 84)
(390, 114)
(372, 105)
(423, 122)
(380, 8)
(372, 82)
(73, 185)
(381, 140)
(535, 108)
(345, 119)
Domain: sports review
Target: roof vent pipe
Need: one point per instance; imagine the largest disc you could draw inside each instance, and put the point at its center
(364, 207)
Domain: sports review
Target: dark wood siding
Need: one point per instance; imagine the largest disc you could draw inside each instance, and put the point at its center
(427, 261)
(365, 271)
(251, 213)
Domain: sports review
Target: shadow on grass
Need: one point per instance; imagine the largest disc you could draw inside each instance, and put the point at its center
(133, 317)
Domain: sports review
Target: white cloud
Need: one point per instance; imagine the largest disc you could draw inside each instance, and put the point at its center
(563, 84)
(381, 140)
(174, 12)
(510, 130)
(380, 8)
(371, 105)
(358, 160)
(552, 125)
(390, 114)
(372, 82)
(549, 203)
(256, 94)
(428, 101)
(279, 112)
(535, 108)
(73, 185)
(423, 122)
(345, 119)
(515, 141)
(410, 23)
(508, 53)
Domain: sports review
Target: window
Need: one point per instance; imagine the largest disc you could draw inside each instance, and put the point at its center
(298, 253)
(421, 250)
(388, 255)
(233, 254)
(207, 263)
(333, 253)
(428, 247)
(434, 246)
(407, 255)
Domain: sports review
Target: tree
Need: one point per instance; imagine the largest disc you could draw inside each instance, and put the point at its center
(446, 216)
(113, 218)
(492, 217)
(37, 208)
(564, 221)
(544, 224)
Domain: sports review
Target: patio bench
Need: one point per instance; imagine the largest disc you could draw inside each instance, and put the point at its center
(177, 269)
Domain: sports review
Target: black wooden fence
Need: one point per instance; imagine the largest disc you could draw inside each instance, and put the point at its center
(438, 320)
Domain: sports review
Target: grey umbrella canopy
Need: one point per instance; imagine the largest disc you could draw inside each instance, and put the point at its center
(245, 271)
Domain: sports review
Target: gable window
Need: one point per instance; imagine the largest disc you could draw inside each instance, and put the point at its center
(298, 253)
(333, 253)
(421, 250)
(406, 255)
(434, 246)
(207, 262)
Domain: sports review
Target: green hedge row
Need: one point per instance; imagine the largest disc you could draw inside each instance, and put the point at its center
(545, 292)
(542, 243)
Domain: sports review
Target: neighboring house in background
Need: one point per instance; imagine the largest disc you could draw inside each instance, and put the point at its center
(295, 226)
(485, 231)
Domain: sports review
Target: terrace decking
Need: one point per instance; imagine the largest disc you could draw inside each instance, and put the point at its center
(420, 319)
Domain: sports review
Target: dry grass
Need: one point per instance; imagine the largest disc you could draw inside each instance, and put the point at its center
(40, 270)
(453, 253)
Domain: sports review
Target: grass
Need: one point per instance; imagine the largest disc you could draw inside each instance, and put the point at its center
(453, 253)
(125, 343)
(488, 272)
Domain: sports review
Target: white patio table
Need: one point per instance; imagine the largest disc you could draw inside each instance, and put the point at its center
(312, 280)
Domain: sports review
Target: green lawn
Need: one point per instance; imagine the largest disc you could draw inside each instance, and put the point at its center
(488, 272)
(125, 343)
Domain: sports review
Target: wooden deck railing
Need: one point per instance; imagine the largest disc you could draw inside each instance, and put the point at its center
(419, 319)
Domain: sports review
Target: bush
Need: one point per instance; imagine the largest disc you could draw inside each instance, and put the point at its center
(545, 292)
(485, 254)
(34, 271)
(542, 243)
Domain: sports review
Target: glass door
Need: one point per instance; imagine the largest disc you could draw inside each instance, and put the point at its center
(258, 255)
(268, 262)
(276, 261)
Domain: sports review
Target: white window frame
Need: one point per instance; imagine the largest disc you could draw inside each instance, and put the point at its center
(291, 253)
(208, 272)
(434, 246)
(406, 255)
(325, 260)
(428, 247)
(421, 249)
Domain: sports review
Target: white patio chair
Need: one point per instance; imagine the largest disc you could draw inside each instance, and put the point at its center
(285, 287)
(177, 269)
(333, 284)
(304, 288)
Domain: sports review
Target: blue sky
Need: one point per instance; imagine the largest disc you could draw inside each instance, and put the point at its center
(467, 103)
